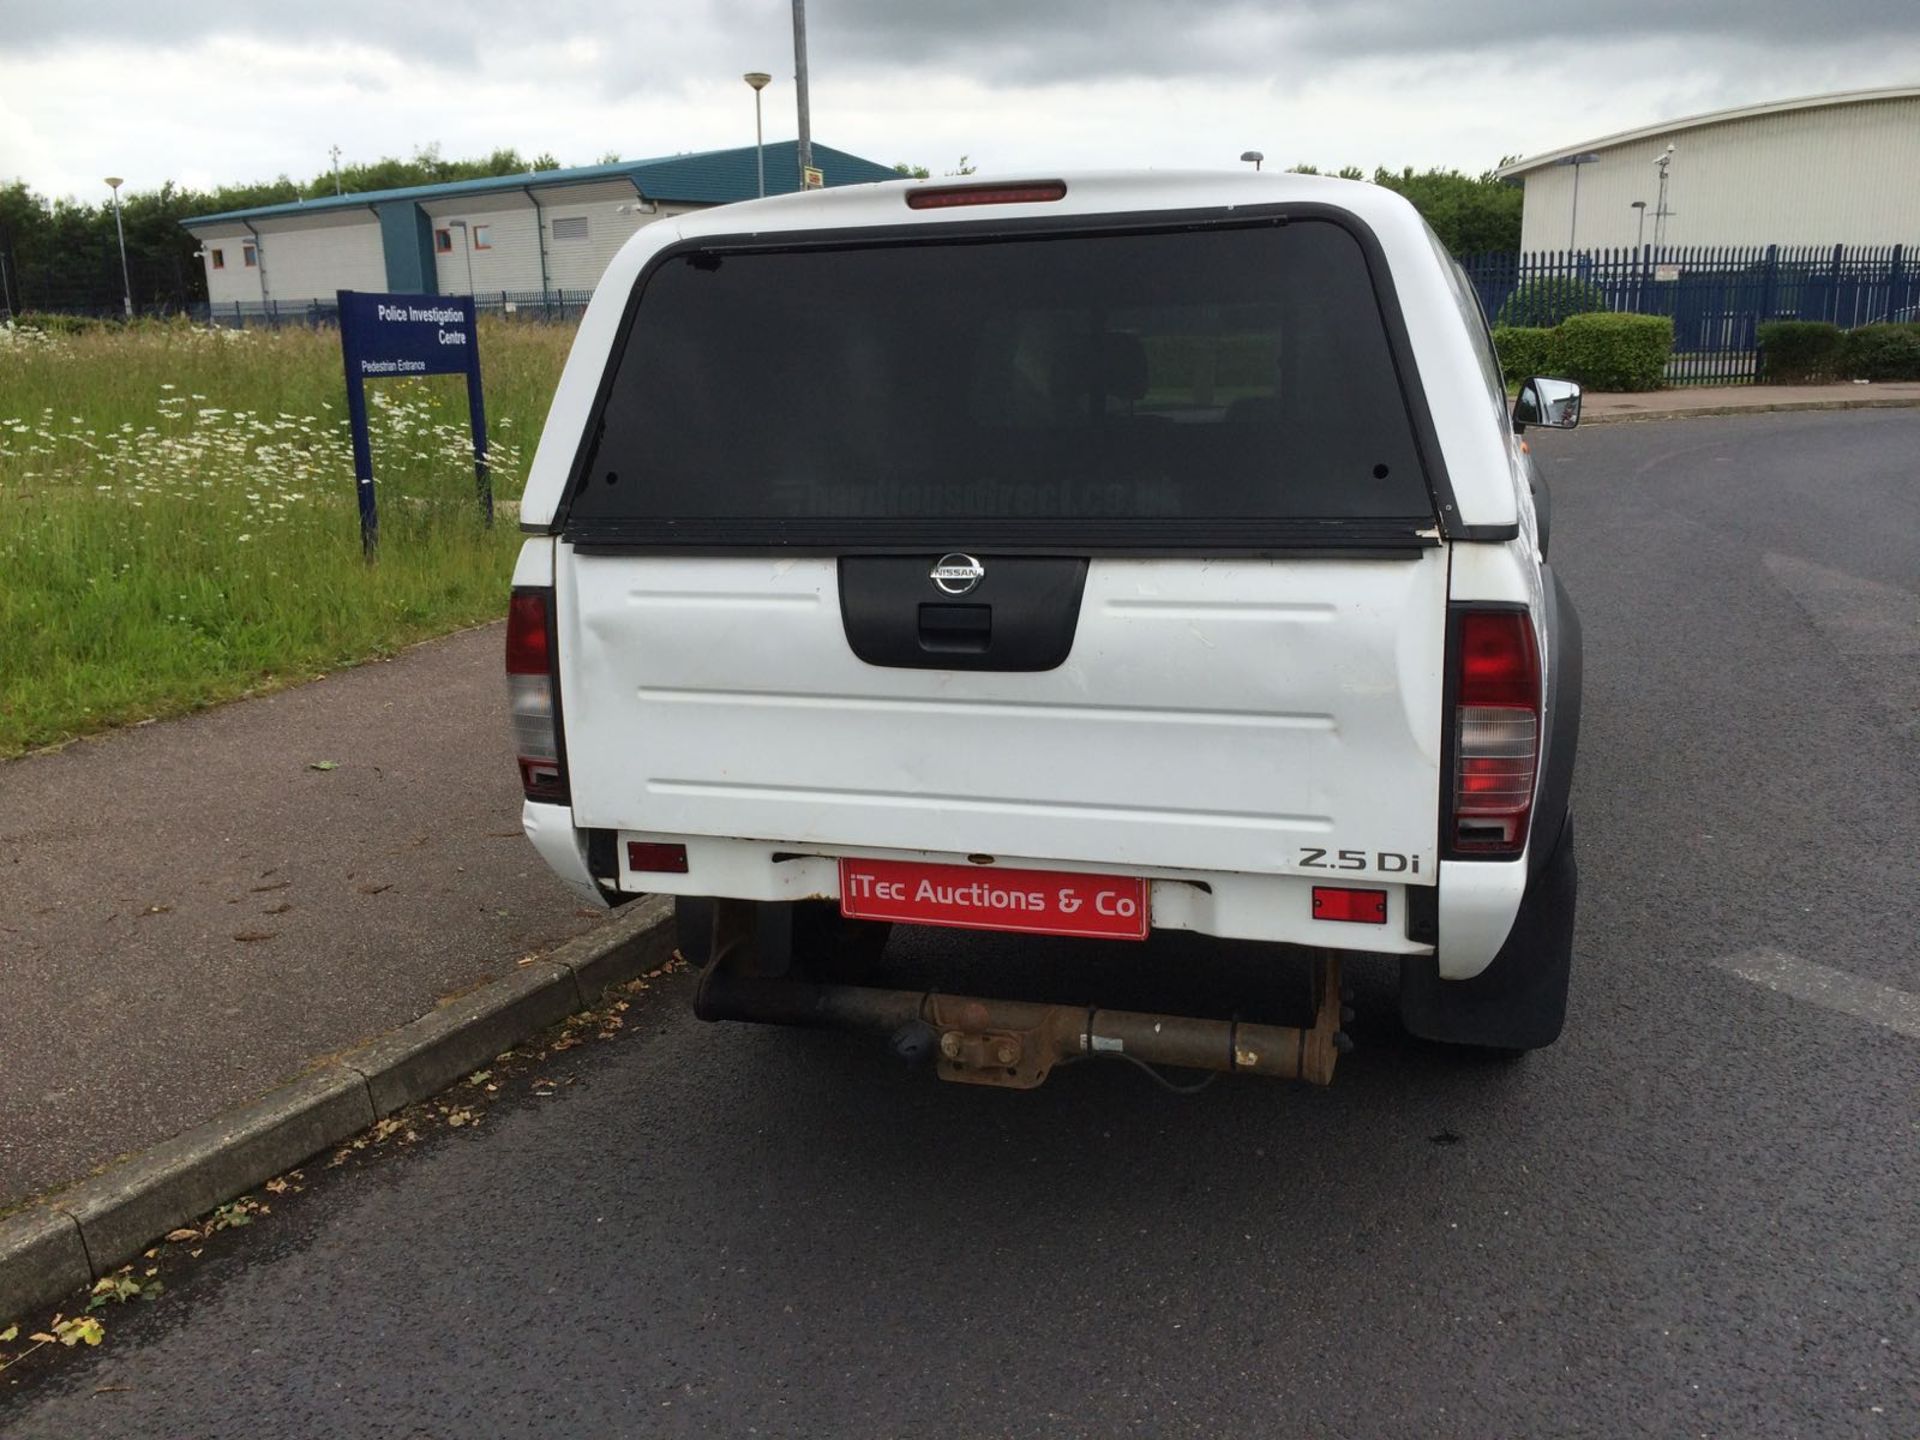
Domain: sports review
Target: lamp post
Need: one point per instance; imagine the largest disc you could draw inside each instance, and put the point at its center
(1640, 230)
(1573, 222)
(1252, 157)
(805, 145)
(114, 182)
(1660, 211)
(759, 80)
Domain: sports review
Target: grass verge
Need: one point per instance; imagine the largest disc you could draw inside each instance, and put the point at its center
(178, 524)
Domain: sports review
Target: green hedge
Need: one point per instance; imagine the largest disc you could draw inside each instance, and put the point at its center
(1615, 352)
(54, 323)
(1881, 352)
(1549, 300)
(1793, 351)
(1526, 351)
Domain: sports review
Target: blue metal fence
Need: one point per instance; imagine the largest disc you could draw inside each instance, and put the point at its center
(1717, 296)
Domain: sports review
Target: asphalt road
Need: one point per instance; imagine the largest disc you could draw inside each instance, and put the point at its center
(1695, 1215)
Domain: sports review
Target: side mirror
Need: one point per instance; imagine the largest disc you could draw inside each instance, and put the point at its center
(1550, 404)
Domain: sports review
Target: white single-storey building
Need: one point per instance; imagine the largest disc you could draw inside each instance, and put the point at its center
(1840, 169)
(520, 237)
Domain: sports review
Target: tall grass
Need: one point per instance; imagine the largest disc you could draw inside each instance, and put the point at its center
(178, 523)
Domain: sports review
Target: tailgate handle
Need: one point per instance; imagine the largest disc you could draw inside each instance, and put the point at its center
(956, 629)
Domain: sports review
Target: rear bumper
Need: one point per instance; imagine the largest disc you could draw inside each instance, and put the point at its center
(1275, 908)
(1477, 904)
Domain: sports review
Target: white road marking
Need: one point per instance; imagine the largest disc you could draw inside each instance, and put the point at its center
(1897, 1010)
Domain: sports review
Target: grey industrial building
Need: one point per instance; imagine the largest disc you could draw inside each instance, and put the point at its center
(1838, 169)
(519, 237)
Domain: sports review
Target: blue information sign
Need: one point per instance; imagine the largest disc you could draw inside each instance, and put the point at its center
(382, 336)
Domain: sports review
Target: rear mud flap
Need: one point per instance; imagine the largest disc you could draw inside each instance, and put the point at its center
(1519, 1002)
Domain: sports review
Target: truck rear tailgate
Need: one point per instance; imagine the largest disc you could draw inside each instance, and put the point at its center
(1210, 715)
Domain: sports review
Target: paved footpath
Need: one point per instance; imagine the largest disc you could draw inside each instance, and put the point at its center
(1692, 400)
(189, 912)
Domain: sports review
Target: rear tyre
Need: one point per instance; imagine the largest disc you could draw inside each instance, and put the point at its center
(693, 928)
(1519, 1002)
(821, 944)
(828, 946)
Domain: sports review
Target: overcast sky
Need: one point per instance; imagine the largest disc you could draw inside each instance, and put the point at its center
(206, 92)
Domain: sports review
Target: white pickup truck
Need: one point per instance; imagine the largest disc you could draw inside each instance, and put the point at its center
(1088, 556)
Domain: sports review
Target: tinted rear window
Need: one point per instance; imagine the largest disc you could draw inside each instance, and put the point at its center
(1131, 379)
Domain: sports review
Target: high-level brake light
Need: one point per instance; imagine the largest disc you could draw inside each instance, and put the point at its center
(1496, 732)
(1026, 192)
(533, 694)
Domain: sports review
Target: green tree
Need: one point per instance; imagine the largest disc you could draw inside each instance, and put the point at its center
(1471, 214)
(920, 172)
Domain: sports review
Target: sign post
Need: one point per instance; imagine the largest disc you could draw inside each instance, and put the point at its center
(382, 336)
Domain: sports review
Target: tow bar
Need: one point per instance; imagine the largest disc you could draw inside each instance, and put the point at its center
(1016, 1043)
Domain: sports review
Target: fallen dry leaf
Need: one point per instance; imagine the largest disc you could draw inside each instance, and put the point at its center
(276, 885)
(374, 889)
(177, 1236)
(248, 937)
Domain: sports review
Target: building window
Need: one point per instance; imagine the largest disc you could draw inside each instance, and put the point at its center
(250, 255)
(443, 242)
(218, 259)
(570, 227)
(483, 237)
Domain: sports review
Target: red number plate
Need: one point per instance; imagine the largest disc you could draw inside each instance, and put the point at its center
(1041, 902)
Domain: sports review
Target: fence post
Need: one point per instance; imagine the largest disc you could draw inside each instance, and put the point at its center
(1768, 276)
(1895, 287)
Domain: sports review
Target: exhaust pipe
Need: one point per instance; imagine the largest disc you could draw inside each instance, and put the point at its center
(1015, 1044)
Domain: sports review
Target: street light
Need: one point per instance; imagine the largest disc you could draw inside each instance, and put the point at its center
(1252, 157)
(1576, 161)
(1640, 233)
(759, 80)
(1660, 212)
(803, 147)
(114, 182)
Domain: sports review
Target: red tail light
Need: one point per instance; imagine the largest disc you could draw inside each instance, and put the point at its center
(533, 695)
(1496, 737)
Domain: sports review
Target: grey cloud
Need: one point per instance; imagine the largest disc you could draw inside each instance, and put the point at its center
(1025, 41)
(997, 42)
